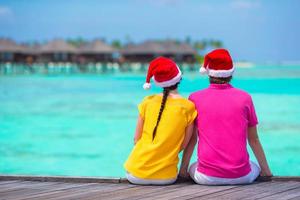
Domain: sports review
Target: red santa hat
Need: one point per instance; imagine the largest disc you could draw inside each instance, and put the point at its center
(164, 71)
(218, 63)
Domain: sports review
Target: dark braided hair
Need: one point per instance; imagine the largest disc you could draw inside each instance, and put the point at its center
(166, 93)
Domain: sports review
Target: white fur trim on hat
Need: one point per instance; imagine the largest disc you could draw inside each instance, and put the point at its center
(171, 82)
(220, 73)
(147, 86)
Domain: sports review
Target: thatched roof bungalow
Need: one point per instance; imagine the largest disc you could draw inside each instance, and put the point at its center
(57, 51)
(31, 52)
(146, 51)
(96, 51)
(11, 51)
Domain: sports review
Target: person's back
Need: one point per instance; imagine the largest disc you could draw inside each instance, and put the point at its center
(225, 114)
(164, 128)
(226, 120)
(158, 158)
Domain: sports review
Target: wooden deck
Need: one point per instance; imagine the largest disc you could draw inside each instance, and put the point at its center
(27, 187)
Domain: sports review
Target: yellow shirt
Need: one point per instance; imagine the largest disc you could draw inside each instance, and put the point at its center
(158, 159)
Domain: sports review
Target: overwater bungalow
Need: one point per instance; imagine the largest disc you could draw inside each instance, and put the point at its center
(31, 52)
(146, 51)
(180, 52)
(12, 52)
(94, 52)
(57, 51)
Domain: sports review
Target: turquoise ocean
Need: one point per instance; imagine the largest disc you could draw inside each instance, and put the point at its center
(83, 125)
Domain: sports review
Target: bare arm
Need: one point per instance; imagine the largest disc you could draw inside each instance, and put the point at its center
(258, 151)
(188, 135)
(187, 154)
(139, 129)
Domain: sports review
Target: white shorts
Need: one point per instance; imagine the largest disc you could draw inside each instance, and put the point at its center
(203, 179)
(140, 181)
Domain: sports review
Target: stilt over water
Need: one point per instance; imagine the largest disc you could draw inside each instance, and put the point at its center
(74, 68)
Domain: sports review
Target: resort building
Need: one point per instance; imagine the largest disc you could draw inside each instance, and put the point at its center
(12, 52)
(148, 50)
(31, 52)
(57, 51)
(94, 52)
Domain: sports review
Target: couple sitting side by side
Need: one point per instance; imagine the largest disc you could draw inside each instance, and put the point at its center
(221, 117)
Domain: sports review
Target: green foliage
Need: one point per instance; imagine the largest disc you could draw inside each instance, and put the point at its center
(215, 43)
(199, 45)
(199, 58)
(77, 42)
(116, 44)
(205, 44)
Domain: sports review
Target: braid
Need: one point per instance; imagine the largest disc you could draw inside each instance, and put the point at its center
(162, 106)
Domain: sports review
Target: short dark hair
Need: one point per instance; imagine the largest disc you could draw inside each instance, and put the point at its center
(219, 80)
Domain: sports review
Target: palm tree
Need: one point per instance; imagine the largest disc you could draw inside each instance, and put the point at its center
(215, 43)
(116, 44)
(77, 42)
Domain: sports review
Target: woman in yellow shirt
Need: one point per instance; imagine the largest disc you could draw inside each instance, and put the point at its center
(164, 128)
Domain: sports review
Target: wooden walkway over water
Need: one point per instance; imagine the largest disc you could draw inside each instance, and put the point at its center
(56, 188)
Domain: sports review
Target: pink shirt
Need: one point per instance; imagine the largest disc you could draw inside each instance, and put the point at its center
(224, 114)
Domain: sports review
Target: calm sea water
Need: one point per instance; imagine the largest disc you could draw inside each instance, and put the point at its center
(83, 125)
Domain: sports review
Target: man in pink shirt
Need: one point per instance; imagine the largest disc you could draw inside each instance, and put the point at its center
(226, 119)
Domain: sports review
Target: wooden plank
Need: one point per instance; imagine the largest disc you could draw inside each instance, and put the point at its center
(210, 190)
(212, 194)
(243, 191)
(188, 192)
(78, 190)
(8, 182)
(167, 193)
(35, 184)
(286, 178)
(131, 193)
(289, 194)
(250, 192)
(124, 180)
(295, 198)
(62, 179)
(25, 188)
(104, 179)
(55, 191)
(17, 185)
(17, 190)
(92, 192)
(161, 190)
(36, 189)
(278, 188)
(118, 194)
(57, 187)
(83, 194)
(157, 190)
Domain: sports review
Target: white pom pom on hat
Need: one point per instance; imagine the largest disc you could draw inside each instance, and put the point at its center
(147, 86)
